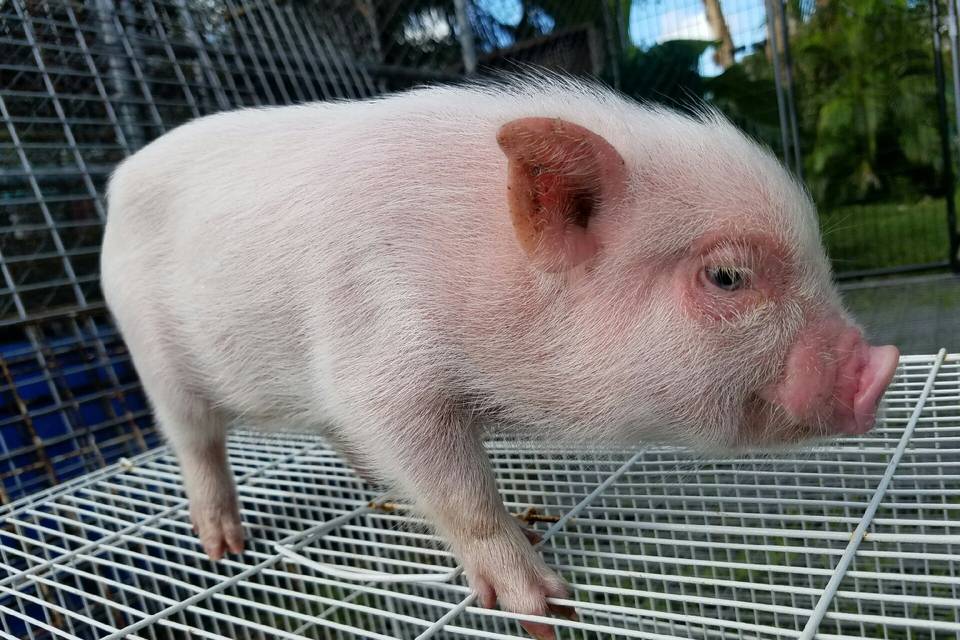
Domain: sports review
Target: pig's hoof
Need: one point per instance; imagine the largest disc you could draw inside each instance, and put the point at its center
(516, 578)
(219, 528)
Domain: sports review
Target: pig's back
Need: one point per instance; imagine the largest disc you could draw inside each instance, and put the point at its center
(215, 234)
(244, 253)
(262, 253)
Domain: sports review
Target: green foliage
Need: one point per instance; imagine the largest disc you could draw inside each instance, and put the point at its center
(867, 101)
(667, 72)
(887, 234)
(746, 94)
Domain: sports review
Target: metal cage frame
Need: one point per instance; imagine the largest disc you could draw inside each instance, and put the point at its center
(858, 538)
(855, 539)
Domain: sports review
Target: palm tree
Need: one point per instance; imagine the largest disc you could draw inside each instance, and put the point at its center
(867, 99)
(723, 55)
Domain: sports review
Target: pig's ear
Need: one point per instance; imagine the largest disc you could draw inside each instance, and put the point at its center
(560, 178)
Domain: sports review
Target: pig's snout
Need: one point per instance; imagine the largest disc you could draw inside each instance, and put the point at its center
(879, 363)
(864, 372)
(834, 384)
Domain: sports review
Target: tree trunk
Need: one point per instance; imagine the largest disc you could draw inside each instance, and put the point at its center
(723, 56)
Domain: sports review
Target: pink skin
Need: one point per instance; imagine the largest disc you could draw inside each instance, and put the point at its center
(446, 255)
(550, 161)
(832, 380)
(833, 376)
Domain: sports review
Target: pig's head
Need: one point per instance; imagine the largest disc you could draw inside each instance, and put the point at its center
(699, 303)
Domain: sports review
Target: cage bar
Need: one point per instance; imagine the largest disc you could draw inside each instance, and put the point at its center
(856, 538)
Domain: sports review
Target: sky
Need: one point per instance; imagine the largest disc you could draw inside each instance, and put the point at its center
(656, 21)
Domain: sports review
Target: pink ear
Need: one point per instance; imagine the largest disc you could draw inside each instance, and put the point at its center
(560, 176)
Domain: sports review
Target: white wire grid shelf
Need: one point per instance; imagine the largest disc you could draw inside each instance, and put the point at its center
(858, 538)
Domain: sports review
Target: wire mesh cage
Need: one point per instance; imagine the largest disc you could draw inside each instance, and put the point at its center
(86, 84)
(855, 539)
(83, 85)
(858, 539)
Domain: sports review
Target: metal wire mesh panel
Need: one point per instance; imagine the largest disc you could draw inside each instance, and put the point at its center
(71, 402)
(82, 85)
(855, 539)
(394, 35)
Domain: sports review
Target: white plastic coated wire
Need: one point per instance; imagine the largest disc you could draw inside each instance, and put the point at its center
(856, 538)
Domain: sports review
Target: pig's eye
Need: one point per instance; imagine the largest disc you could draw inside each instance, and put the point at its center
(726, 278)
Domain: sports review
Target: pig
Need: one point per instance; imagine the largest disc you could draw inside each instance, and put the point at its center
(536, 254)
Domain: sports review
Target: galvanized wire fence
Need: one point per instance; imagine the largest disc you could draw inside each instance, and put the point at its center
(82, 85)
(71, 402)
(654, 545)
(876, 134)
(85, 84)
(856, 540)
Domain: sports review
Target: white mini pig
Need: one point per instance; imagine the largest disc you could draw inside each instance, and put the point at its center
(400, 273)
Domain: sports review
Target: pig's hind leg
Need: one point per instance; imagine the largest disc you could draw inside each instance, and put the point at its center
(197, 433)
(190, 422)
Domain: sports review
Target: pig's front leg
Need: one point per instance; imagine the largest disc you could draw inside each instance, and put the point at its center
(438, 460)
